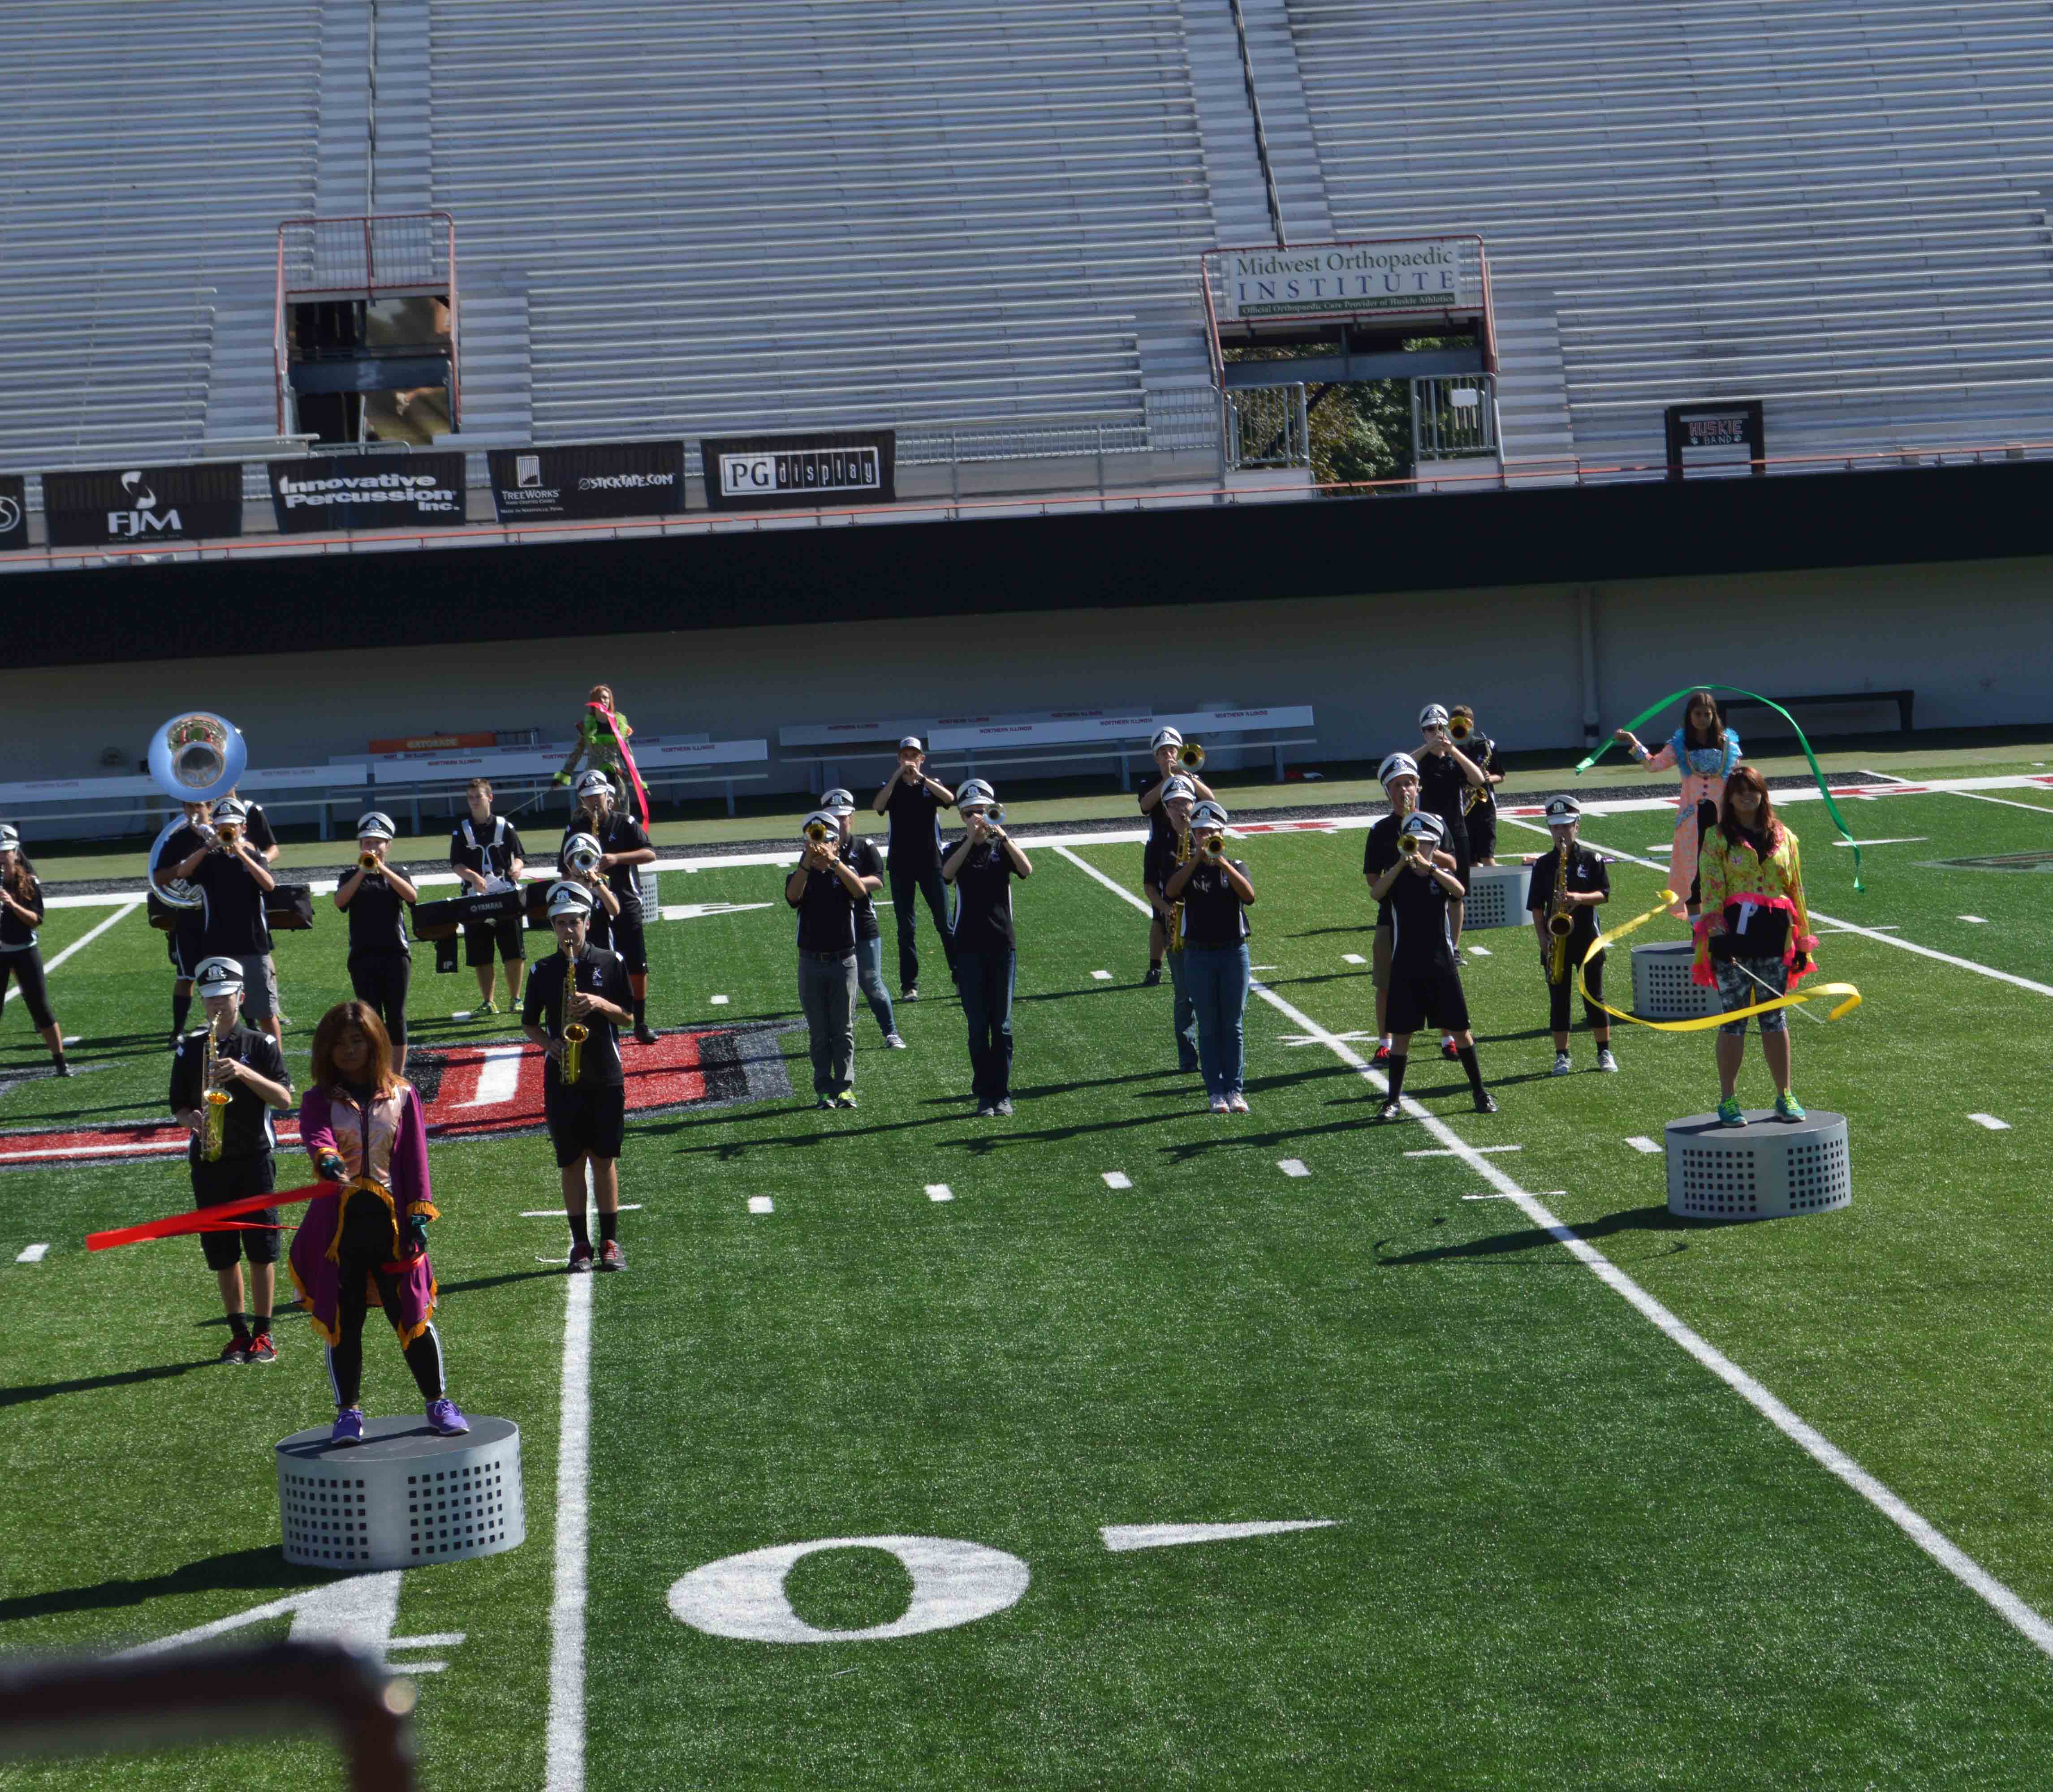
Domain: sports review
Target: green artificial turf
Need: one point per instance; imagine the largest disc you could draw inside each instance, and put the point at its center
(1564, 1554)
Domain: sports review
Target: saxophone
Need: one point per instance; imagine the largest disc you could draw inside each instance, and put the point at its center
(1175, 923)
(1560, 920)
(213, 1107)
(574, 1038)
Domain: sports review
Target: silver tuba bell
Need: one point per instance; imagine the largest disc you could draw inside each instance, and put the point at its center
(194, 758)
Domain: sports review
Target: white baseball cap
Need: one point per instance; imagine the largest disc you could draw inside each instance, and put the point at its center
(569, 899)
(912, 741)
(1397, 765)
(218, 976)
(1432, 715)
(1164, 737)
(1562, 810)
(1209, 814)
(839, 802)
(594, 780)
(376, 825)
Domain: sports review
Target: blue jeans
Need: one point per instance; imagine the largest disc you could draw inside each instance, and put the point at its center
(1185, 1018)
(1217, 979)
(869, 980)
(985, 980)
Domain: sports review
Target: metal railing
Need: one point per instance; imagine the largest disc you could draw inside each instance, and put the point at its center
(1260, 135)
(1452, 416)
(1268, 426)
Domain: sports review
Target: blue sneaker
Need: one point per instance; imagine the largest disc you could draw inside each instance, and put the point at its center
(1729, 1113)
(1788, 1107)
(444, 1420)
(348, 1427)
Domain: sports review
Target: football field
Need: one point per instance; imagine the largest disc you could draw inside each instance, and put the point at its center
(1534, 1485)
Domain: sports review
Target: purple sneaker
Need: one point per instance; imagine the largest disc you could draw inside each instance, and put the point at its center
(444, 1420)
(348, 1427)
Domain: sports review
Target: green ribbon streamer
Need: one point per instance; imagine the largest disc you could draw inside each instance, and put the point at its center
(1645, 715)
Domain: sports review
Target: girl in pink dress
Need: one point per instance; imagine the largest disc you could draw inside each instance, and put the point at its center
(1706, 752)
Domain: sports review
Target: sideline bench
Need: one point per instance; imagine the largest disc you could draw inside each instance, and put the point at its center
(1903, 700)
(132, 803)
(413, 777)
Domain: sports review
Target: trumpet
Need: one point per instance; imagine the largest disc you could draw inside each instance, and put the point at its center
(994, 816)
(367, 861)
(1409, 845)
(1190, 756)
(584, 860)
(574, 1038)
(1459, 729)
(817, 833)
(214, 1108)
(227, 834)
(1214, 846)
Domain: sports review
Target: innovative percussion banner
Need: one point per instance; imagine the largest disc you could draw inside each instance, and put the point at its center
(367, 491)
(143, 504)
(14, 510)
(782, 472)
(600, 479)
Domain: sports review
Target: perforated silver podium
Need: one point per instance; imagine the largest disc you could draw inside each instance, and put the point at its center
(1497, 896)
(1661, 987)
(1765, 1169)
(402, 1497)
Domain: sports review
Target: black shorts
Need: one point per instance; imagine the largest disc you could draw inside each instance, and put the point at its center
(506, 935)
(26, 967)
(183, 947)
(627, 940)
(379, 980)
(257, 1236)
(1483, 835)
(1431, 998)
(581, 1120)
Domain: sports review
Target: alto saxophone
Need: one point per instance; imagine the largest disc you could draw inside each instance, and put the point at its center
(574, 1038)
(214, 1108)
(1175, 923)
(1561, 921)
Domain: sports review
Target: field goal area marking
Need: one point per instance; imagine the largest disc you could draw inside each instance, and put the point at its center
(1821, 1449)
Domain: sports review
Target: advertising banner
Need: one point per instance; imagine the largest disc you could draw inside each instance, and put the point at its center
(1424, 275)
(600, 478)
(143, 504)
(367, 492)
(1727, 437)
(785, 473)
(14, 510)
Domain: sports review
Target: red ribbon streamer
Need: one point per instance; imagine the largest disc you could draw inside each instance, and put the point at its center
(626, 759)
(220, 1218)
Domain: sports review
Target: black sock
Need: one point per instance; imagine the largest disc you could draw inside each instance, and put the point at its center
(640, 1011)
(1466, 1054)
(260, 1322)
(578, 1234)
(609, 1225)
(181, 1009)
(1154, 964)
(1394, 1071)
(237, 1325)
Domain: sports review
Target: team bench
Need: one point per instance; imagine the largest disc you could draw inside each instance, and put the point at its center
(1903, 699)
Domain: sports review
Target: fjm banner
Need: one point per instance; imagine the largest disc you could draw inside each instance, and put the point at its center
(143, 504)
(598, 479)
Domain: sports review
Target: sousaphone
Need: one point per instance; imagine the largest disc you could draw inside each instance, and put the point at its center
(194, 758)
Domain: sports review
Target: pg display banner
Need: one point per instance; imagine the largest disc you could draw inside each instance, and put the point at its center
(367, 491)
(14, 510)
(143, 504)
(785, 473)
(603, 479)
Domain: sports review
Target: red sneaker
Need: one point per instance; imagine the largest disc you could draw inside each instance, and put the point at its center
(262, 1350)
(1381, 1060)
(610, 1256)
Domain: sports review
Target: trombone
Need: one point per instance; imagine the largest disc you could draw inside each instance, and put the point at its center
(1190, 756)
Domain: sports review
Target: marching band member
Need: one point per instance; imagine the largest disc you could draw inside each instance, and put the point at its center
(578, 863)
(624, 847)
(233, 880)
(1162, 858)
(1425, 982)
(1568, 885)
(584, 1088)
(1214, 893)
(825, 887)
(231, 1158)
(1708, 752)
(181, 938)
(20, 914)
(981, 867)
(1447, 778)
(1167, 745)
(361, 1124)
(1398, 776)
(913, 800)
(1480, 803)
(1754, 939)
(486, 854)
(375, 897)
(868, 935)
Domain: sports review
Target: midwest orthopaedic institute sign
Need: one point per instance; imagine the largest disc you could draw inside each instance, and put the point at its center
(771, 472)
(1427, 274)
(367, 492)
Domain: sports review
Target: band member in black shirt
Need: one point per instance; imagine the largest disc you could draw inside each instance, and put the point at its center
(1480, 803)
(486, 854)
(1578, 896)
(1161, 858)
(583, 1089)
(1166, 745)
(20, 914)
(981, 867)
(624, 849)
(578, 863)
(1425, 985)
(1446, 777)
(1215, 893)
(233, 880)
(375, 897)
(181, 940)
(232, 1157)
(914, 801)
(825, 887)
(1399, 776)
(869, 935)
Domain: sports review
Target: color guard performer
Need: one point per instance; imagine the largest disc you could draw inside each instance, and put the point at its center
(1708, 753)
(1168, 748)
(1567, 887)
(624, 847)
(20, 914)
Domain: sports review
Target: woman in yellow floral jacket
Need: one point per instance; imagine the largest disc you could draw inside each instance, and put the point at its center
(1753, 936)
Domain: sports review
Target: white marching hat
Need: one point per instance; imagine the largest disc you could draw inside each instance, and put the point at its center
(566, 898)
(1397, 765)
(1424, 821)
(1164, 737)
(1174, 789)
(376, 825)
(230, 808)
(1561, 810)
(594, 780)
(826, 818)
(1432, 715)
(10, 841)
(218, 976)
(1209, 814)
(973, 791)
(839, 802)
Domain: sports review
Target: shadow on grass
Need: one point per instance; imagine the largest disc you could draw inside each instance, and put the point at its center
(1510, 1247)
(480, 1283)
(23, 1395)
(259, 1571)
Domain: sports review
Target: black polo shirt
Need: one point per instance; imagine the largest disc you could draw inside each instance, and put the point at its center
(1586, 872)
(1422, 928)
(231, 923)
(1443, 790)
(599, 972)
(1214, 917)
(247, 1131)
(1158, 859)
(826, 914)
(864, 860)
(983, 905)
(1159, 826)
(16, 933)
(1380, 854)
(915, 827)
(377, 918)
(620, 833)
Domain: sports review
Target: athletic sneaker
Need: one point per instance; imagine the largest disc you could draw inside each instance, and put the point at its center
(893, 1042)
(909, 994)
(262, 1350)
(1447, 1051)
(644, 1034)
(1486, 1102)
(63, 1066)
(1381, 1060)
(444, 1420)
(1219, 1105)
(826, 1101)
(348, 1427)
(1605, 1061)
(1562, 1067)
(580, 1262)
(610, 1256)
(486, 1008)
(236, 1350)
(985, 1111)
(1237, 1102)
(1001, 1107)
(1392, 1110)
(845, 1099)
(1729, 1112)
(1153, 978)
(1788, 1107)
(1189, 1067)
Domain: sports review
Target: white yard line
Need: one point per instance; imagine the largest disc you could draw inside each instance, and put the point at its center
(761, 1204)
(1990, 1122)
(1956, 1561)
(565, 1747)
(78, 945)
(35, 1253)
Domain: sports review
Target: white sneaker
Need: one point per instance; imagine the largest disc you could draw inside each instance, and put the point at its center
(1237, 1102)
(894, 1042)
(1605, 1061)
(1562, 1067)
(1220, 1105)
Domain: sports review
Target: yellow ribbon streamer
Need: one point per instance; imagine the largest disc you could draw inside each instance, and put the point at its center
(1702, 1023)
